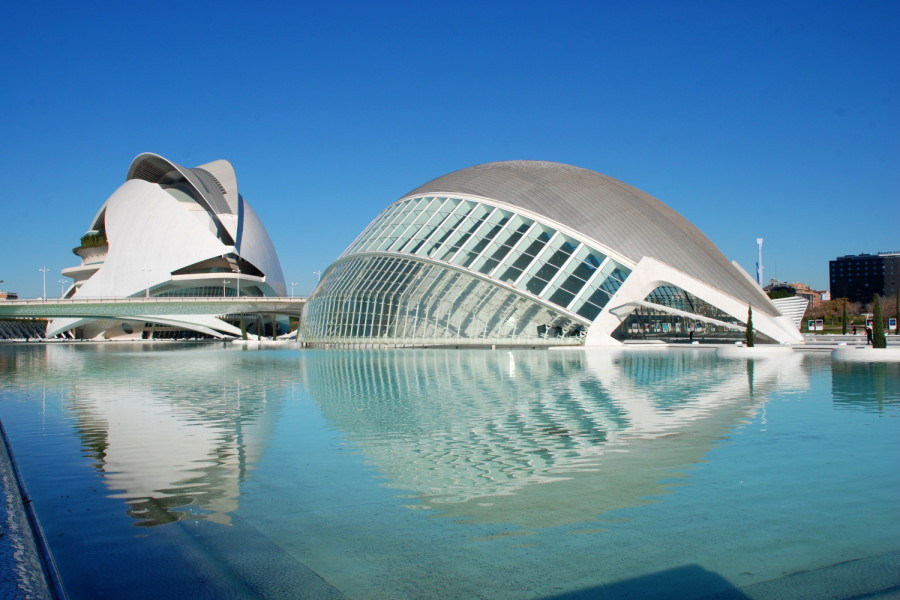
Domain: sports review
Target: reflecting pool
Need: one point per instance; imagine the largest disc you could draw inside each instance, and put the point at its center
(174, 471)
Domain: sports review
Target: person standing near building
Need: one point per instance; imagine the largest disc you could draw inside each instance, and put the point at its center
(868, 335)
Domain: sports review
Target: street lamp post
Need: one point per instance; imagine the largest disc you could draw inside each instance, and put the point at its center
(147, 270)
(61, 288)
(318, 275)
(44, 271)
(224, 283)
(759, 265)
(293, 283)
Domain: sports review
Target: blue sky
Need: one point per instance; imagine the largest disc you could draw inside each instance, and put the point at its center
(752, 119)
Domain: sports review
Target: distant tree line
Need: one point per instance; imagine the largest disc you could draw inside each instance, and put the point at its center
(832, 311)
(840, 312)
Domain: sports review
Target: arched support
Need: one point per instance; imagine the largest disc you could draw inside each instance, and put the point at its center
(651, 273)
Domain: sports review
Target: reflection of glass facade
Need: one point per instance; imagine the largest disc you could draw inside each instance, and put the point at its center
(540, 426)
(433, 269)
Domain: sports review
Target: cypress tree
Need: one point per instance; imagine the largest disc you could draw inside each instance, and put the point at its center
(748, 334)
(878, 339)
(844, 319)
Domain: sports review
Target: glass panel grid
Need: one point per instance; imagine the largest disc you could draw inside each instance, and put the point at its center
(492, 225)
(500, 244)
(413, 223)
(511, 243)
(430, 218)
(548, 263)
(436, 305)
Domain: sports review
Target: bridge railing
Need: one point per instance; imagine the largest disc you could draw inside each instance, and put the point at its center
(153, 299)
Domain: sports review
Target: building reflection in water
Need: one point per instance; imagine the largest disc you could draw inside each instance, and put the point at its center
(496, 436)
(869, 386)
(173, 433)
(488, 436)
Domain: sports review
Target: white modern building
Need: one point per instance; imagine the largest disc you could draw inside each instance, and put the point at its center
(172, 231)
(533, 253)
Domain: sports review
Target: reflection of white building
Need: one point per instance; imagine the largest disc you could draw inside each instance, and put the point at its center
(172, 231)
(532, 253)
(560, 436)
(168, 454)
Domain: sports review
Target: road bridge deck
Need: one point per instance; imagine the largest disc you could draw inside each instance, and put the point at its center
(118, 308)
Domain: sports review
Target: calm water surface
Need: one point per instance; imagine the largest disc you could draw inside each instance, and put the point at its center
(204, 472)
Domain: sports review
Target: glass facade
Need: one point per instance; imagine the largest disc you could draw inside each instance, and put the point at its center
(397, 300)
(435, 269)
(646, 322)
(210, 291)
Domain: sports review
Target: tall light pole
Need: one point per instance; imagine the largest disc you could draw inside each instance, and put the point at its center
(238, 282)
(224, 283)
(61, 288)
(147, 270)
(759, 265)
(44, 271)
(293, 283)
(318, 275)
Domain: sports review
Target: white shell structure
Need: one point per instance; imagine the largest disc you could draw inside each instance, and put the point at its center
(533, 253)
(173, 231)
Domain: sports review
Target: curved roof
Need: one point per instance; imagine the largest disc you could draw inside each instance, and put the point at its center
(214, 186)
(619, 216)
(215, 183)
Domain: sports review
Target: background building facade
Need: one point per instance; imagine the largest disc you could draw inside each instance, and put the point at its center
(859, 277)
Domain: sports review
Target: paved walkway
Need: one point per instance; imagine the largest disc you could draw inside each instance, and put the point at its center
(26, 569)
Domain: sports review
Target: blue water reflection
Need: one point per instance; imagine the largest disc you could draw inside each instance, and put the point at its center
(866, 386)
(172, 433)
(444, 473)
(479, 433)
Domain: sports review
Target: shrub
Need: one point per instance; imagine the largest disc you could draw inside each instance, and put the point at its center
(878, 339)
(748, 334)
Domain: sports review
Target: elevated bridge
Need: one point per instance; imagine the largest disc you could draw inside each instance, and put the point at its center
(138, 308)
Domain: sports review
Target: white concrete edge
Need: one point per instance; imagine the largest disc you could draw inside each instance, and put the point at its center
(651, 273)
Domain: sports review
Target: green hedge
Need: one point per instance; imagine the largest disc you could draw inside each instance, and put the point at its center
(94, 239)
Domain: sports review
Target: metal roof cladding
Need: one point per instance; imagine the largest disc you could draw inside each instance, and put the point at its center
(615, 214)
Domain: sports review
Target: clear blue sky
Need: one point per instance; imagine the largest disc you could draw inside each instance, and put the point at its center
(752, 119)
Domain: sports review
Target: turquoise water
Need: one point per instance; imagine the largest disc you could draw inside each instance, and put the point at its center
(198, 471)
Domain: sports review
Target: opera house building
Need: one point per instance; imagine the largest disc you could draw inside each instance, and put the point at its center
(534, 254)
(172, 231)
